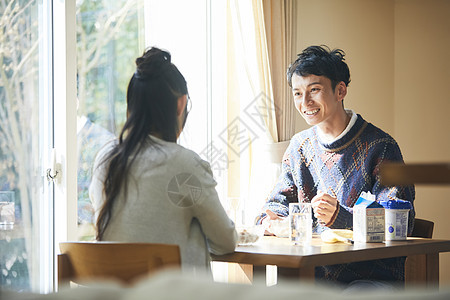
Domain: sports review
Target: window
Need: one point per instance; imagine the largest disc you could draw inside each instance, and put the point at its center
(71, 95)
(220, 60)
(109, 38)
(25, 139)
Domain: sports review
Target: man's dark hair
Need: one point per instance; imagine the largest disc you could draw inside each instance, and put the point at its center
(321, 61)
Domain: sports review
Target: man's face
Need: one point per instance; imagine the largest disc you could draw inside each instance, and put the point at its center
(315, 100)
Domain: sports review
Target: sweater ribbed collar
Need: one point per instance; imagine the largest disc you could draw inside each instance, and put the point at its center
(353, 130)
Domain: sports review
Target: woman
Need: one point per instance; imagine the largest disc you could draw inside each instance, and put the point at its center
(146, 187)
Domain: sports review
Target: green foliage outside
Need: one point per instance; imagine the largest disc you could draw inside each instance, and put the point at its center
(109, 38)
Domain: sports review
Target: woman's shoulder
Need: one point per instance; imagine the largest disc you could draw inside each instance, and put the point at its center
(176, 159)
(103, 152)
(192, 160)
(188, 161)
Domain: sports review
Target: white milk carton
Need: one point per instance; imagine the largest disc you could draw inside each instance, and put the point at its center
(368, 219)
(397, 212)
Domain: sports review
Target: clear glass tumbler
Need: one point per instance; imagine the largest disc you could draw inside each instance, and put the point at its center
(300, 223)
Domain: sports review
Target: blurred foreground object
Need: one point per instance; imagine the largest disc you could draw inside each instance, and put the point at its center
(420, 173)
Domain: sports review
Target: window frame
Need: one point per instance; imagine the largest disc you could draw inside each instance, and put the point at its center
(65, 127)
(65, 111)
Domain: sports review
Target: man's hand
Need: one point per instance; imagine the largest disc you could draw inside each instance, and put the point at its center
(269, 220)
(324, 207)
(271, 215)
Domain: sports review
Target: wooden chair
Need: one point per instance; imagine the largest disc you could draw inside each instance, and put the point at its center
(423, 228)
(428, 174)
(124, 262)
(404, 174)
(415, 264)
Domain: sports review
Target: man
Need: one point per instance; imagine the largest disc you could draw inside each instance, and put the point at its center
(334, 161)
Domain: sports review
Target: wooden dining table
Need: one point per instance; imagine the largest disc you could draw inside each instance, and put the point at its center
(296, 261)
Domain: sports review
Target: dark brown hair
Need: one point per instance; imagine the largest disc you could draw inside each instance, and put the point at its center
(152, 98)
(321, 61)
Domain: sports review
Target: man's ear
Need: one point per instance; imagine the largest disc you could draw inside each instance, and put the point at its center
(341, 90)
(181, 105)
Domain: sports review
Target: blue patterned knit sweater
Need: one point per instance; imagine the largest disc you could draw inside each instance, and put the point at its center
(343, 169)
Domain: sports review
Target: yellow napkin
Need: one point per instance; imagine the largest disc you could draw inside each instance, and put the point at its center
(337, 235)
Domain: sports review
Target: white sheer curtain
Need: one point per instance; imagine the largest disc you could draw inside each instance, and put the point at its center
(258, 102)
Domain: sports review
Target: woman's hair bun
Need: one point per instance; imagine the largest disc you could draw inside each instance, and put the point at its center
(152, 64)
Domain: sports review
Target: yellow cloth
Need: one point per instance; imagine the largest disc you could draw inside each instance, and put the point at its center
(337, 235)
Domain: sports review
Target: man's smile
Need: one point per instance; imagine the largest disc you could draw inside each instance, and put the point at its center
(311, 112)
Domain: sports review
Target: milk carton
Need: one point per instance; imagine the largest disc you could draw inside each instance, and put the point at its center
(396, 215)
(368, 219)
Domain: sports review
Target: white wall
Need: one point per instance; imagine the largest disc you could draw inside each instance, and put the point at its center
(397, 52)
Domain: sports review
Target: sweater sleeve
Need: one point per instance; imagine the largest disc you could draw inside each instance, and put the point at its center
(343, 219)
(216, 225)
(283, 193)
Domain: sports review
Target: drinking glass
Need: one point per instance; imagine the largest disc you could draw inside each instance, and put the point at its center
(300, 223)
(7, 210)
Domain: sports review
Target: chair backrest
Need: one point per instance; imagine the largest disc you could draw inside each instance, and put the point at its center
(423, 228)
(403, 174)
(125, 262)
